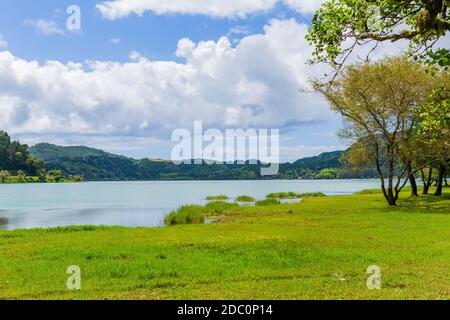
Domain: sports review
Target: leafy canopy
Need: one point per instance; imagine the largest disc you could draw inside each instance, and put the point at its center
(359, 22)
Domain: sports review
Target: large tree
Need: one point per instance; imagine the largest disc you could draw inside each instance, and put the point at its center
(341, 25)
(379, 102)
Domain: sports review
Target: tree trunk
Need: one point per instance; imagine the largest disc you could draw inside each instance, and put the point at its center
(440, 181)
(392, 199)
(427, 181)
(412, 180)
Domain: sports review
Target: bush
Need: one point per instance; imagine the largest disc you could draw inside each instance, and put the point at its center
(217, 198)
(267, 202)
(245, 199)
(186, 215)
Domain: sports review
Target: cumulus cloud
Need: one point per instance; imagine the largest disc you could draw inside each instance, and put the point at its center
(254, 84)
(115, 9)
(3, 43)
(45, 27)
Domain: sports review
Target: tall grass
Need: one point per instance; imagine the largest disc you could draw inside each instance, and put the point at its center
(283, 195)
(312, 195)
(218, 208)
(293, 195)
(197, 214)
(245, 199)
(186, 215)
(217, 198)
(267, 202)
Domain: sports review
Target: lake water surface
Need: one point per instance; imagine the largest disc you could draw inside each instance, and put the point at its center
(134, 204)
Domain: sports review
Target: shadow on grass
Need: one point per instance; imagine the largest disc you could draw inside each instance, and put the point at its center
(424, 204)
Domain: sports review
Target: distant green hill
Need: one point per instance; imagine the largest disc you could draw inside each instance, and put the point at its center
(95, 164)
(92, 164)
(15, 157)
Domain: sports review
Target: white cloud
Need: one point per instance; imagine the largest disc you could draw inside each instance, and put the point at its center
(3, 43)
(254, 84)
(115, 9)
(304, 6)
(239, 30)
(45, 27)
(115, 40)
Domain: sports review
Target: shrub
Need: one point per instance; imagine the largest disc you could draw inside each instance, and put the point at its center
(186, 215)
(217, 198)
(268, 202)
(4, 176)
(245, 199)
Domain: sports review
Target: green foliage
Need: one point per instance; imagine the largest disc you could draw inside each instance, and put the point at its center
(197, 214)
(54, 176)
(16, 157)
(267, 202)
(94, 164)
(283, 195)
(327, 174)
(367, 21)
(245, 199)
(4, 176)
(218, 208)
(77, 178)
(217, 198)
(186, 215)
(293, 195)
(312, 195)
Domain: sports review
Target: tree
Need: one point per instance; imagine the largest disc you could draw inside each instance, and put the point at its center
(361, 22)
(379, 102)
(55, 176)
(15, 156)
(4, 176)
(434, 132)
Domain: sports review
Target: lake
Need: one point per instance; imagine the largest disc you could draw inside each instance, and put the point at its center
(134, 204)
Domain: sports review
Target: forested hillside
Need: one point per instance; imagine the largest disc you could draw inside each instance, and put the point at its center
(15, 157)
(95, 164)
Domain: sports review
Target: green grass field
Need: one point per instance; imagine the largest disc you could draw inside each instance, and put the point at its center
(317, 249)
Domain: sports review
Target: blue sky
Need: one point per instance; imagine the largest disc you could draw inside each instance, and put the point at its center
(126, 80)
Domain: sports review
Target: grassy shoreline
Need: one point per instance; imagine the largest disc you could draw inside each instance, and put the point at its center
(317, 249)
